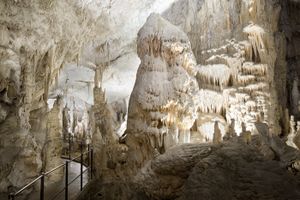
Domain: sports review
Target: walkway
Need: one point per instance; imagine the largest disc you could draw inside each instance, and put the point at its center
(52, 189)
(74, 188)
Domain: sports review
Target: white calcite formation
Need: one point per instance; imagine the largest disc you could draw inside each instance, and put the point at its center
(162, 106)
(293, 136)
(242, 70)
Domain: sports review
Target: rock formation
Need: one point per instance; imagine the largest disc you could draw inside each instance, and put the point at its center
(217, 134)
(288, 23)
(240, 51)
(66, 122)
(192, 170)
(110, 155)
(292, 134)
(213, 109)
(54, 143)
(162, 106)
(246, 134)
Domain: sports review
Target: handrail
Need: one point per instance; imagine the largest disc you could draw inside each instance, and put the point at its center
(74, 159)
(42, 176)
(69, 184)
(28, 185)
(52, 170)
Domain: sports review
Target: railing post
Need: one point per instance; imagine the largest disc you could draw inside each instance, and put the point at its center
(88, 154)
(69, 146)
(66, 180)
(42, 189)
(11, 196)
(92, 155)
(81, 166)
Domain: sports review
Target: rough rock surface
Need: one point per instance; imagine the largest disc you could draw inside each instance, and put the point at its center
(265, 168)
(289, 23)
(231, 170)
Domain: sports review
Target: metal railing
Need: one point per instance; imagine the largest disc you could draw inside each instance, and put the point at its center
(41, 178)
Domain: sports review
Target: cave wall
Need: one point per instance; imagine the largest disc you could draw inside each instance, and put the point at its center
(37, 38)
(289, 24)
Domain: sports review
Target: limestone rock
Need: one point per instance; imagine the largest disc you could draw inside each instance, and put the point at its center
(20, 155)
(54, 140)
(240, 52)
(36, 38)
(239, 172)
(162, 106)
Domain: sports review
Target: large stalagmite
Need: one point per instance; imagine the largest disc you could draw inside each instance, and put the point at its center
(162, 106)
(54, 142)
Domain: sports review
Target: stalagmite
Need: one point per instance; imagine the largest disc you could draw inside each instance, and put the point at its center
(217, 134)
(54, 142)
(246, 135)
(163, 100)
(292, 125)
(231, 130)
(66, 122)
(292, 134)
(80, 130)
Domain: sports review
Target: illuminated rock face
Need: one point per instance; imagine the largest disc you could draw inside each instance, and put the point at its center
(241, 56)
(162, 106)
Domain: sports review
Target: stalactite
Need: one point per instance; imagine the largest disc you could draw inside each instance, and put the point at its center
(218, 75)
(256, 36)
(254, 69)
